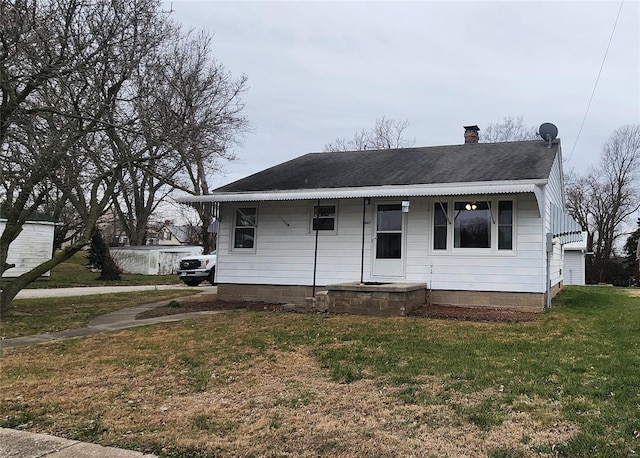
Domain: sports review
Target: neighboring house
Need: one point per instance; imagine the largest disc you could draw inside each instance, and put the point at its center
(574, 262)
(168, 233)
(481, 224)
(151, 259)
(32, 247)
(112, 229)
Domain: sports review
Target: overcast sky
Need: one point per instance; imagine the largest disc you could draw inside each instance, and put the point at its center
(324, 70)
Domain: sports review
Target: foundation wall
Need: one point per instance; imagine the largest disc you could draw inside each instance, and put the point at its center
(386, 303)
(519, 302)
(292, 294)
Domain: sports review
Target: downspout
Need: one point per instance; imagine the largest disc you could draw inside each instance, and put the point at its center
(364, 222)
(549, 250)
(315, 254)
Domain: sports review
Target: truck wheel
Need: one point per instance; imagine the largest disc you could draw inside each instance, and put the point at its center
(212, 276)
(191, 282)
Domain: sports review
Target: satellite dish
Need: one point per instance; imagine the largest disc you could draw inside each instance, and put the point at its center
(548, 132)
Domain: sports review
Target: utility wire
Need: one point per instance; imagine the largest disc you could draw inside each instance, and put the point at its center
(597, 80)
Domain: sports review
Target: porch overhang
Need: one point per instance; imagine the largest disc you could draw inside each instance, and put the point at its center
(426, 190)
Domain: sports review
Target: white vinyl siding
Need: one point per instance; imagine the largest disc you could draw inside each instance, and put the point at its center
(519, 270)
(554, 194)
(285, 249)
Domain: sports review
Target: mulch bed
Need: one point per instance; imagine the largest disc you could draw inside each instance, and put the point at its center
(205, 303)
(474, 314)
(191, 305)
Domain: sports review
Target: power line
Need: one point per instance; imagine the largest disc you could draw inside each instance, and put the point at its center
(597, 80)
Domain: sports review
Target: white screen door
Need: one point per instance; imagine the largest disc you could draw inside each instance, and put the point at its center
(388, 241)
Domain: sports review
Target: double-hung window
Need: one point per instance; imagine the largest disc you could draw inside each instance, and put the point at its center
(505, 225)
(244, 229)
(323, 219)
(440, 226)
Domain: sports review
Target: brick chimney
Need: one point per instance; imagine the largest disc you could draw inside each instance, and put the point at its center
(471, 134)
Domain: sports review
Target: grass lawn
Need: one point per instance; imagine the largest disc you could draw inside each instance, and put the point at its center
(285, 385)
(74, 272)
(38, 316)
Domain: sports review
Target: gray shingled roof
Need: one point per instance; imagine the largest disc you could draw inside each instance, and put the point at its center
(477, 162)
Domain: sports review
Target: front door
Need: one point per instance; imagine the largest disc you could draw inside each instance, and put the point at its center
(388, 243)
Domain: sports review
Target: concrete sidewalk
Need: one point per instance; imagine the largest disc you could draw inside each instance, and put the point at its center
(114, 321)
(91, 290)
(23, 444)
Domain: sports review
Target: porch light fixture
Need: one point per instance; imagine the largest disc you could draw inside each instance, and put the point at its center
(405, 206)
(471, 206)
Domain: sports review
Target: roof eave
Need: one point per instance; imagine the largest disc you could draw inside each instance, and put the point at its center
(439, 189)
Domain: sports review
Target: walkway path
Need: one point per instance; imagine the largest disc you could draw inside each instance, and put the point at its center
(114, 321)
(90, 290)
(22, 444)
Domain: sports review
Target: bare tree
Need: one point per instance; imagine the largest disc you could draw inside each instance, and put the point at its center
(510, 129)
(386, 134)
(64, 65)
(607, 195)
(204, 101)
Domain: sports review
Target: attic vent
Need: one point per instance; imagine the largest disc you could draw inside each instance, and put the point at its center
(471, 134)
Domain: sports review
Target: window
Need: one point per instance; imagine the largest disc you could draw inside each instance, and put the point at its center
(244, 231)
(475, 224)
(323, 218)
(505, 225)
(472, 225)
(440, 226)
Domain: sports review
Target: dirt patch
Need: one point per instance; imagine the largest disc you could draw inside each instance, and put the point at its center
(197, 304)
(203, 303)
(474, 314)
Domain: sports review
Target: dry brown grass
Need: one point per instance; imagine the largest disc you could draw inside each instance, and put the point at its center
(279, 403)
(633, 292)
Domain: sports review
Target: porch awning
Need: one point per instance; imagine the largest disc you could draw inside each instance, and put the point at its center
(564, 227)
(442, 189)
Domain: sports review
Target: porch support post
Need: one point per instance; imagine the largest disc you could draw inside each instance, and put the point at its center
(315, 254)
(364, 222)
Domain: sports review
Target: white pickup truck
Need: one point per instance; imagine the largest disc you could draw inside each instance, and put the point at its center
(196, 269)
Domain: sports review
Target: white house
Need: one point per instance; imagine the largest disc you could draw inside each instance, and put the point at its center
(152, 259)
(32, 247)
(480, 224)
(574, 262)
(167, 233)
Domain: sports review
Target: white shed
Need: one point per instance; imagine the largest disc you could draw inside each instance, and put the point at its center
(574, 262)
(152, 259)
(31, 248)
